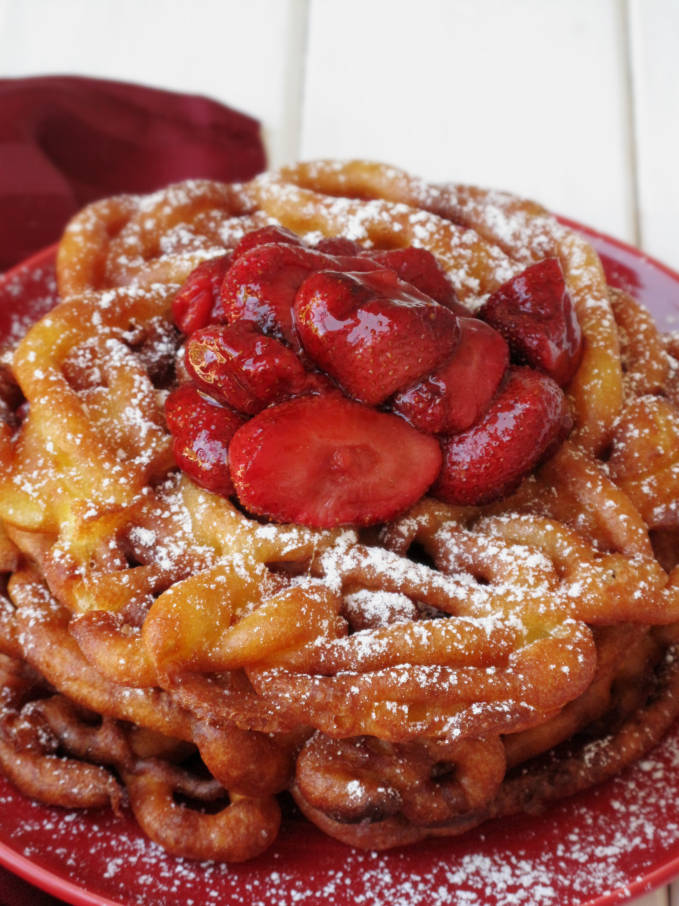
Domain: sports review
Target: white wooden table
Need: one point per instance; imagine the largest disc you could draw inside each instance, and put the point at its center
(572, 102)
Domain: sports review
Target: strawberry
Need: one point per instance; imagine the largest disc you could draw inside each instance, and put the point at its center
(244, 368)
(193, 306)
(490, 459)
(338, 245)
(261, 285)
(265, 236)
(371, 332)
(421, 269)
(416, 266)
(201, 431)
(456, 394)
(324, 461)
(534, 313)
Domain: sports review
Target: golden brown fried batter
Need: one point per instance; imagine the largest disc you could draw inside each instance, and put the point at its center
(408, 681)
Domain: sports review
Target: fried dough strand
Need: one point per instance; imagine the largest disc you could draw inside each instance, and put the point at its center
(160, 648)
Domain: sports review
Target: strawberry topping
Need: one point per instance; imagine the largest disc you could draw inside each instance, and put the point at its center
(246, 369)
(193, 306)
(317, 378)
(535, 314)
(267, 235)
(490, 459)
(416, 266)
(338, 245)
(202, 431)
(456, 394)
(419, 268)
(372, 333)
(261, 286)
(326, 461)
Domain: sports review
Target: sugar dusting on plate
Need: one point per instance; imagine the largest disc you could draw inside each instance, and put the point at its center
(602, 844)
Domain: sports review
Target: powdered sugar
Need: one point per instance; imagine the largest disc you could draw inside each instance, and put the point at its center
(475, 871)
(610, 839)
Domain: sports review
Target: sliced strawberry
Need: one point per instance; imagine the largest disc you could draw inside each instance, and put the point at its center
(265, 236)
(261, 285)
(338, 245)
(535, 314)
(193, 305)
(201, 432)
(416, 266)
(421, 269)
(325, 460)
(243, 368)
(490, 459)
(372, 333)
(453, 397)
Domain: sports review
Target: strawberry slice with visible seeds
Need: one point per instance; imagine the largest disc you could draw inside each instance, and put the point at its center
(489, 460)
(372, 332)
(534, 313)
(201, 432)
(324, 461)
(193, 306)
(453, 397)
(246, 369)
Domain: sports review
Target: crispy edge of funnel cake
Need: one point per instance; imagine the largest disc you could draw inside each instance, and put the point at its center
(413, 680)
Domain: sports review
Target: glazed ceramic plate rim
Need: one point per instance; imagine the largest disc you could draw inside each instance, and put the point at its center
(79, 895)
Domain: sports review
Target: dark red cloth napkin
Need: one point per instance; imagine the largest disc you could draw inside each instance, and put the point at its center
(67, 140)
(15, 892)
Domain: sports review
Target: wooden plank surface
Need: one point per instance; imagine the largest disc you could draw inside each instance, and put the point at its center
(654, 64)
(657, 898)
(528, 96)
(246, 54)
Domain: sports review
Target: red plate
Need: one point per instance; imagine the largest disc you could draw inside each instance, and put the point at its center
(600, 848)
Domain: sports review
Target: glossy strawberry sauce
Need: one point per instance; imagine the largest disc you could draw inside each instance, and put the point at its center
(335, 385)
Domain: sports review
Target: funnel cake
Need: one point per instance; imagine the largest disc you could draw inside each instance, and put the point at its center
(165, 648)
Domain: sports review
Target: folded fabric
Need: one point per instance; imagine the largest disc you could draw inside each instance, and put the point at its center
(67, 140)
(15, 892)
